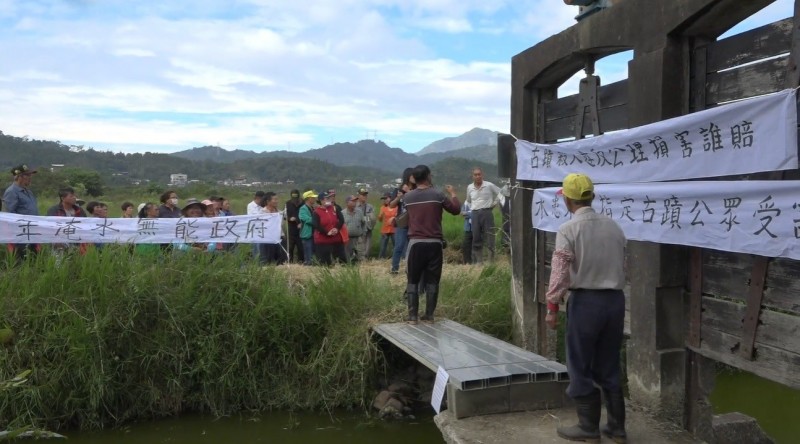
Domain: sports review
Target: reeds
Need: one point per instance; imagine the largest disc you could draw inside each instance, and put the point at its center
(111, 337)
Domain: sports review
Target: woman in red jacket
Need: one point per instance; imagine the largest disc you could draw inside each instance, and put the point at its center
(327, 222)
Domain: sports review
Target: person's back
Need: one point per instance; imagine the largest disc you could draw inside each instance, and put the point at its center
(598, 244)
(424, 206)
(588, 264)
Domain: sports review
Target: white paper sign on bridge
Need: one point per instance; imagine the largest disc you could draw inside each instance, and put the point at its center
(756, 217)
(21, 229)
(745, 137)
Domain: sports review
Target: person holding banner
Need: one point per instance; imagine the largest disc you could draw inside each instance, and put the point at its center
(19, 199)
(588, 261)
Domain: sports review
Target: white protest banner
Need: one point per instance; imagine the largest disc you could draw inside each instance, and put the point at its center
(756, 217)
(749, 136)
(21, 229)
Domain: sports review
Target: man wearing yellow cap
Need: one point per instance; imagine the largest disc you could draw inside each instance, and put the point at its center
(588, 262)
(305, 217)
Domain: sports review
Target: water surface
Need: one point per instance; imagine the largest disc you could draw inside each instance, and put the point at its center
(275, 427)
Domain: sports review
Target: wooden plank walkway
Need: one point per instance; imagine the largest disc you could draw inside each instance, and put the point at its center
(473, 359)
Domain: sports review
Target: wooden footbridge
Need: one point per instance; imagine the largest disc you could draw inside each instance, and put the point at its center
(487, 375)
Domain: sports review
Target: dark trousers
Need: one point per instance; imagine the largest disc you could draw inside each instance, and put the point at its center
(24, 251)
(482, 234)
(425, 259)
(327, 254)
(400, 244)
(385, 239)
(272, 254)
(308, 251)
(295, 247)
(466, 247)
(595, 320)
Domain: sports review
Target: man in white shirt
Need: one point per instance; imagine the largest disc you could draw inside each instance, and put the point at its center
(482, 196)
(254, 208)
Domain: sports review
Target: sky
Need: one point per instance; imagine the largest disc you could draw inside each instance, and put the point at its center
(164, 76)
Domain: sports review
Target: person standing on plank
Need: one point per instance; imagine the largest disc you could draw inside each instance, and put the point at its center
(425, 205)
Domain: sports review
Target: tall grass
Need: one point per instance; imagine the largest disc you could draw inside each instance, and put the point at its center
(111, 337)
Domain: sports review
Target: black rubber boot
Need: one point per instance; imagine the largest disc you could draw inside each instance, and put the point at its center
(413, 304)
(615, 410)
(431, 297)
(588, 427)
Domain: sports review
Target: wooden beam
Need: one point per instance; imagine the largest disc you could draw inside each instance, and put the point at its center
(747, 81)
(775, 329)
(754, 297)
(750, 46)
(608, 96)
(695, 295)
(793, 70)
(772, 363)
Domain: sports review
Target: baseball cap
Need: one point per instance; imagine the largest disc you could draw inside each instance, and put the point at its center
(349, 198)
(331, 192)
(309, 194)
(324, 195)
(577, 187)
(387, 196)
(363, 191)
(21, 169)
(208, 202)
(140, 207)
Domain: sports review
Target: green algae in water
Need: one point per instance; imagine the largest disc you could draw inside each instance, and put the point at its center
(776, 407)
(275, 427)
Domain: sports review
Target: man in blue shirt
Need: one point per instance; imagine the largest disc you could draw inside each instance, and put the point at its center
(19, 199)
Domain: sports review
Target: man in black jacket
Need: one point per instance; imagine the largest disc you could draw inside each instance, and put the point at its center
(292, 217)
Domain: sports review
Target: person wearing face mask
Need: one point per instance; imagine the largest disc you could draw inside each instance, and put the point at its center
(327, 223)
(169, 207)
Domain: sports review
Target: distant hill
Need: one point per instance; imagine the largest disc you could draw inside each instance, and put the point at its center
(482, 153)
(473, 137)
(217, 154)
(119, 168)
(365, 153)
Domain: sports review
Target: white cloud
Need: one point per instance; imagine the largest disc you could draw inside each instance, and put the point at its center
(132, 52)
(185, 73)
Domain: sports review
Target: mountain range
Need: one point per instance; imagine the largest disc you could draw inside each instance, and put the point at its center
(476, 144)
(365, 161)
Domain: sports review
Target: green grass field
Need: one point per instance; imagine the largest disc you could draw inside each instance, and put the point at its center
(112, 337)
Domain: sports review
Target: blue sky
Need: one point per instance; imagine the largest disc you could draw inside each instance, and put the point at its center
(164, 76)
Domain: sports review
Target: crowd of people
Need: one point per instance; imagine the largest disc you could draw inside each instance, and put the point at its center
(317, 229)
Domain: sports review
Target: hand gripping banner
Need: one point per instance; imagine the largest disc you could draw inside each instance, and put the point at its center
(21, 229)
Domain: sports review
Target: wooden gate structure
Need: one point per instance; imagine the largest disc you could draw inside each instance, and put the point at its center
(687, 307)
